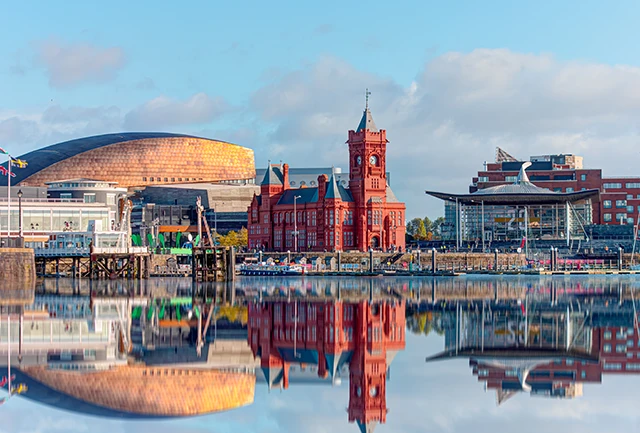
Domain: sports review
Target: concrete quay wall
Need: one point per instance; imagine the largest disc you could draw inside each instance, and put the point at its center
(17, 268)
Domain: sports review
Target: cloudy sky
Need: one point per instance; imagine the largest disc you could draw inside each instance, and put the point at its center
(450, 81)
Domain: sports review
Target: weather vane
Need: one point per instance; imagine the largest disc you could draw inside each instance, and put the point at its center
(366, 94)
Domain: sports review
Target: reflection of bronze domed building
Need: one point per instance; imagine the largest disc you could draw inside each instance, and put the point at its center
(140, 391)
(138, 159)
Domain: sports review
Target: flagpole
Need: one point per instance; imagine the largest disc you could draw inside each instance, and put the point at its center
(8, 198)
(9, 351)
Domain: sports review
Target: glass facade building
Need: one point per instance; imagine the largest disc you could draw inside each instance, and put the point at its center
(514, 222)
(46, 217)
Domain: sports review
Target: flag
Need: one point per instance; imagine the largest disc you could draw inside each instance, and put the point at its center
(20, 163)
(3, 151)
(5, 172)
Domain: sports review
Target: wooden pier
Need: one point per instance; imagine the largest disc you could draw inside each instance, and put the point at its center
(95, 265)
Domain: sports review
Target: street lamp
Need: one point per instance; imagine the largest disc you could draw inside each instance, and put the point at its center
(20, 212)
(215, 227)
(458, 241)
(295, 223)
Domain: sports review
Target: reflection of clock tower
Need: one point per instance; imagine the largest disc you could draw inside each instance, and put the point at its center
(367, 176)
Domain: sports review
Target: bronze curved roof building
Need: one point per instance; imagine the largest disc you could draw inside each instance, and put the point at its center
(136, 159)
(139, 391)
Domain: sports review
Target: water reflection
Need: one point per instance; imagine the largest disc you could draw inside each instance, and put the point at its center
(151, 349)
(545, 343)
(329, 339)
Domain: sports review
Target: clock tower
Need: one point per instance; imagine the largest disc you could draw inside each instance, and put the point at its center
(368, 178)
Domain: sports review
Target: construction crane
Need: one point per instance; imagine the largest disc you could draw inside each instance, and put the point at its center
(201, 221)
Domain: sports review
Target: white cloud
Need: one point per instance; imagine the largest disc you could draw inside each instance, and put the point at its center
(459, 108)
(163, 112)
(68, 65)
(441, 127)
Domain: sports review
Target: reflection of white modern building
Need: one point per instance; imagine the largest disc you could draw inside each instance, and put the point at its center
(511, 346)
(57, 329)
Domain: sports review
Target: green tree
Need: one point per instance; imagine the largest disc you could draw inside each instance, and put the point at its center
(412, 226)
(243, 237)
(421, 232)
(234, 239)
(428, 224)
(437, 226)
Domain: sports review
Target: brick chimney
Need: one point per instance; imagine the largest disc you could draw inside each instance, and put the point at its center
(285, 176)
(322, 186)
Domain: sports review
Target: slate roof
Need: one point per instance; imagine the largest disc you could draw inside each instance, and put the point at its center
(336, 191)
(272, 176)
(336, 361)
(307, 195)
(522, 191)
(42, 158)
(367, 122)
(368, 427)
(391, 197)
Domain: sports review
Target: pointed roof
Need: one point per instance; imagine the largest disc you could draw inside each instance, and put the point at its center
(272, 176)
(332, 189)
(367, 122)
(336, 361)
(273, 375)
(503, 156)
(368, 427)
(336, 191)
(391, 197)
(391, 354)
(502, 396)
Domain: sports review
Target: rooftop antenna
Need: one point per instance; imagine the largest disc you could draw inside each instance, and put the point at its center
(366, 97)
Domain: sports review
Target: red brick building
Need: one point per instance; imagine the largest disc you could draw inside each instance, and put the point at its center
(619, 201)
(366, 336)
(328, 216)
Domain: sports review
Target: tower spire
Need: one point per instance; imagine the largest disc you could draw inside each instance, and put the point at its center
(367, 120)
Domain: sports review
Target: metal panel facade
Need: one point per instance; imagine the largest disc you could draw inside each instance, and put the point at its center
(153, 161)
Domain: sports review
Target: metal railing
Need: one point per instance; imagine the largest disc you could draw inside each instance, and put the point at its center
(46, 200)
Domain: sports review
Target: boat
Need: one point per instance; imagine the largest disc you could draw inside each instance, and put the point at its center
(271, 270)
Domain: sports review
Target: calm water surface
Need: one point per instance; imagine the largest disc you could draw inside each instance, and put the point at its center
(484, 354)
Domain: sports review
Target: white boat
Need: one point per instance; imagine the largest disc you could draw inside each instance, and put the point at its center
(271, 270)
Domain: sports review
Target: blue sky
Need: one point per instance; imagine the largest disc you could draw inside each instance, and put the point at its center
(449, 79)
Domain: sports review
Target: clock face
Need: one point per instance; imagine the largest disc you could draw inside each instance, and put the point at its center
(359, 160)
(373, 160)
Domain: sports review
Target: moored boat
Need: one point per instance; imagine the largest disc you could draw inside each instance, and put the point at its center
(270, 270)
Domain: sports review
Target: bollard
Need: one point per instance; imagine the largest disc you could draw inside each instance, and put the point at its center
(620, 258)
(371, 260)
(433, 260)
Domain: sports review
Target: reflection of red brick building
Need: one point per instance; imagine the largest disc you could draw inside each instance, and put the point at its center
(365, 336)
(619, 350)
(328, 216)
